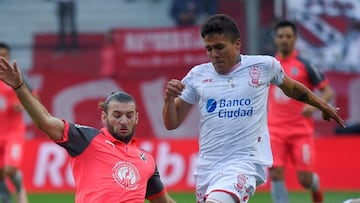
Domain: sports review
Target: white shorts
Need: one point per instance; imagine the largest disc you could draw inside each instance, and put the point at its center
(238, 180)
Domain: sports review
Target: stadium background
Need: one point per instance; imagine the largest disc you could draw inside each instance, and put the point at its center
(148, 49)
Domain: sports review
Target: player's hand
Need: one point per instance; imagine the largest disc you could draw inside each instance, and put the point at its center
(332, 113)
(173, 89)
(308, 111)
(10, 74)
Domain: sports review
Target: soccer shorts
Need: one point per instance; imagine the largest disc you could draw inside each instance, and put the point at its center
(298, 148)
(239, 181)
(11, 153)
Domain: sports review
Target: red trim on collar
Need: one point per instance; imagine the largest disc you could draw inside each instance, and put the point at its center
(237, 65)
(294, 54)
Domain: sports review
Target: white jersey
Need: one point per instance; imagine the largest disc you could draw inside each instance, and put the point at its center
(233, 108)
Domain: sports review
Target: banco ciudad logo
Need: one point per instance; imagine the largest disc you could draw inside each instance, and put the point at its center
(228, 108)
(211, 105)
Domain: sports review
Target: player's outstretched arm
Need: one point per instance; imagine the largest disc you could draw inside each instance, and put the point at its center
(11, 75)
(300, 92)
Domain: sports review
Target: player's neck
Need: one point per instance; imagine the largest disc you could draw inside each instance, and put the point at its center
(285, 55)
(236, 64)
(237, 60)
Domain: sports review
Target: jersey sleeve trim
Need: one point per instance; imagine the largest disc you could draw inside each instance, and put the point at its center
(65, 133)
(322, 84)
(156, 195)
(154, 187)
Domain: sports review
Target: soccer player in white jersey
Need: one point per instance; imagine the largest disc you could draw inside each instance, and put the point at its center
(231, 92)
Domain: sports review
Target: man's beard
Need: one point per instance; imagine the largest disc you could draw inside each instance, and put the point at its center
(125, 139)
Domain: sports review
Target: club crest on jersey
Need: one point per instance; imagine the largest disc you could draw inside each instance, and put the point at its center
(254, 74)
(241, 181)
(126, 175)
(294, 71)
(143, 156)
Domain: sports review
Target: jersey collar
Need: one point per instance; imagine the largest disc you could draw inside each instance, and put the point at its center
(293, 55)
(237, 65)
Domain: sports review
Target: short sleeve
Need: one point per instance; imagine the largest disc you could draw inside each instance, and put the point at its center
(77, 138)
(189, 94)
(278, 72)
(317, 78)
(154, 186)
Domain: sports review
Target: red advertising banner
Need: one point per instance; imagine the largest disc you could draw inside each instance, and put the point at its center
(47, 167)
(158, 49)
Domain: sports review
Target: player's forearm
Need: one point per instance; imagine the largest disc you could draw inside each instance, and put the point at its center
(39, 114)
(170, 115)
(301, 93)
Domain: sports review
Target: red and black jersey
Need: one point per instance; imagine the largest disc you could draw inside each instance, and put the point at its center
(108, 170)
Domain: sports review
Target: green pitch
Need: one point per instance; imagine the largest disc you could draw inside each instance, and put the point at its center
(260, 197)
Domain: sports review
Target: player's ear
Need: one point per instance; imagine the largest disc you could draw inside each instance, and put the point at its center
(103, 117)
(137, 118)
(238, 43)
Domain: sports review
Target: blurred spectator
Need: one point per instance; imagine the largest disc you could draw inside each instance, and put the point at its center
(190, 12)
(66, 13)
(267, 45)
(351, 50)
(108, 55)
(208, 8)
(154, 1)
(185, 12)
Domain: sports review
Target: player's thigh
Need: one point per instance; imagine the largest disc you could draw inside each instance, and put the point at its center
(2, 154)
(240, 186)
(220, 197)
(229, 180)
(203, 176)
(302, 152)
(279, 149)
(13, 153)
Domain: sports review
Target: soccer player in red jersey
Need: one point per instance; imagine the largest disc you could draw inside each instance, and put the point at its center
(290, 122)
(12, 137)
(107, 164)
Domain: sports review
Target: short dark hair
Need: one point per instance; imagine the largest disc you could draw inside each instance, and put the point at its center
(3, 45)
(285, 23)
(118, 96)
(220, 24)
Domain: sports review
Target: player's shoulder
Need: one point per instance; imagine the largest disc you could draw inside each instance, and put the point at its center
(202, 67)
(303, 59)
(200, 70)
(82, 127)
(262, 60)
(257, 58)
